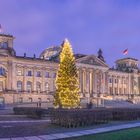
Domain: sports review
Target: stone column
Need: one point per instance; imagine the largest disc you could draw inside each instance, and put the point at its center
(84, 81)
(91, 81)
(9, 74)
(87, 81)
(113, 85)
(106, 83)
(122, 82)
(95, 82)
(130, 83)
(117, 84)
(93, 85)
(43, 81)
(81, 80)
(103, 83)
(14, 80)
(34, 81)
(24, 78)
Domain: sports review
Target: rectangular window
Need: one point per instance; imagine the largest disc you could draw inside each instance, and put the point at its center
(38, 74)
(19, 72)
(54, 75)
(110, 80)
(47, 75)
(2, 71)
(29, 73)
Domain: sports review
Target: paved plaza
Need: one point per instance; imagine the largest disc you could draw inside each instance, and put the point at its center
(77, 133)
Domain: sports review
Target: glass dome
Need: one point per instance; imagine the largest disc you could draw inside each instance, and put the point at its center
(50, 53)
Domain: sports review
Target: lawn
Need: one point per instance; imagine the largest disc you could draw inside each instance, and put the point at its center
(129, 134)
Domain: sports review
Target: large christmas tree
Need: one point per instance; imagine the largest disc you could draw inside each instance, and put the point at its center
(67, 85)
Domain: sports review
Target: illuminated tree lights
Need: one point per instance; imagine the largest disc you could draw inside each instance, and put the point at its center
(67, 85)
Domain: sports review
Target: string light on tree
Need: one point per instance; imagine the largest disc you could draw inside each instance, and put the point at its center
(67, 85)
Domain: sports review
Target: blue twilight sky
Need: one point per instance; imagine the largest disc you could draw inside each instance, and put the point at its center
(112, 25)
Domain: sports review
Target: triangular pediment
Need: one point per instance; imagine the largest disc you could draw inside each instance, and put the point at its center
(92, 60)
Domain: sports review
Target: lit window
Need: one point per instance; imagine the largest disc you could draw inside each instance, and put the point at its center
(47, 87)
(19, 72)
(29, 73)
(29, 86)
(38, 74)
(19, 86)
(47, 75)
(38, 86)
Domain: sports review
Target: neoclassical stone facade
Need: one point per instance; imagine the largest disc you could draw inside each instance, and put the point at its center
(30, 79)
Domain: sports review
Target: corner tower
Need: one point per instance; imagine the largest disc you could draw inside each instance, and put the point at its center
(6, 45)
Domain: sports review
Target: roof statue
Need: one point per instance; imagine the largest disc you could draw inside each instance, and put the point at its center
(100, 55)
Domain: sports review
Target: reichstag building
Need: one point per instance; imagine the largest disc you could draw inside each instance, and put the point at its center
(26, 79)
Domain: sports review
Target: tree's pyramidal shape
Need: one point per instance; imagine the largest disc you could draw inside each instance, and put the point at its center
(67, 85)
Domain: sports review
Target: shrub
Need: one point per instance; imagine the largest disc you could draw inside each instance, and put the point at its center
(79, 117)
(124, 114)
(84, 117)
(31, 112)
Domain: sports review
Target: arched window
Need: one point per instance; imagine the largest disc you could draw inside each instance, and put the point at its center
(29, 86)
(2, 71)
(47, 87)
(38, 86)
(19, 86)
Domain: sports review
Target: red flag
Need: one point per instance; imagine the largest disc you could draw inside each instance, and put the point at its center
(125, 52)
